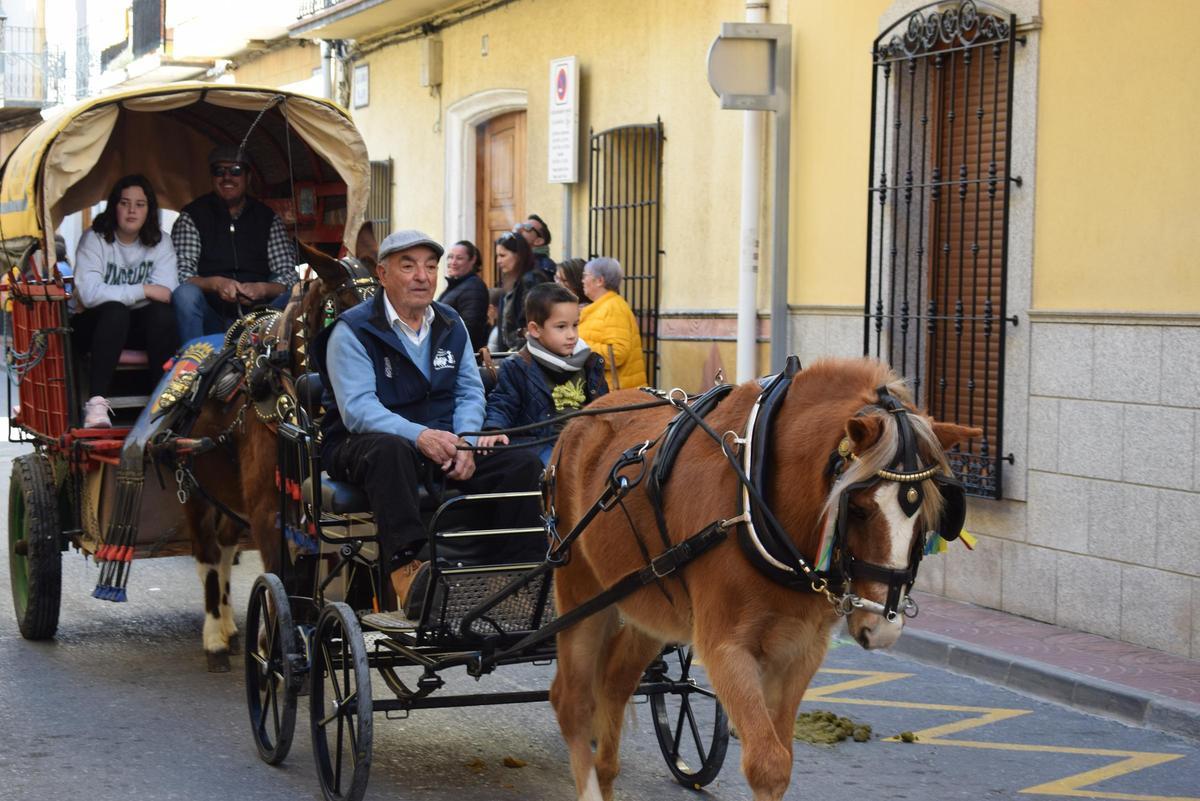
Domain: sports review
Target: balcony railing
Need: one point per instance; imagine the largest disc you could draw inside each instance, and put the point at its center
(309, 7)
(34, 75)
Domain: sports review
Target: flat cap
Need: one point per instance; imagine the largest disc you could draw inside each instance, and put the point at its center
(410, 238)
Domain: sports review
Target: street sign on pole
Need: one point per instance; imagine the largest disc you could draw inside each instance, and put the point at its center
(564, 121)
(750, 69)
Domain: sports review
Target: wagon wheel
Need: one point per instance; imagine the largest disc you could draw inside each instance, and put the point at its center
(689, 721)
(34, 555)
(341, 705)
(273, 662)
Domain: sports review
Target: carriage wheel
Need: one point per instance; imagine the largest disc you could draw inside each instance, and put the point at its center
(341, 705)
(34, 555)
(272, 679)
(689, 721)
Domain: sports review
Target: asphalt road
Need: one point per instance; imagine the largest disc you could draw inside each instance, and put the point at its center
(120, 706)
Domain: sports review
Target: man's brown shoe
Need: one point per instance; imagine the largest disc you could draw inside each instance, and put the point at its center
(402, 580)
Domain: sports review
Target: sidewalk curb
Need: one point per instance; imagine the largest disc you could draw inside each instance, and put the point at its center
(1050, 683)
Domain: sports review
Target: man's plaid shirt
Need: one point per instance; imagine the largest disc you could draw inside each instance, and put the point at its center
(281, 256)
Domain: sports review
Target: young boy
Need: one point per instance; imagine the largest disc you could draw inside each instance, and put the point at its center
(554, 373)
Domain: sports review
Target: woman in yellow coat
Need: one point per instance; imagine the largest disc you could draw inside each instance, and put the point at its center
(608, 321)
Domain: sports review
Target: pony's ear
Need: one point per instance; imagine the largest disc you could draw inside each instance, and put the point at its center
(864, 431)
(327, 268)
(949, 434)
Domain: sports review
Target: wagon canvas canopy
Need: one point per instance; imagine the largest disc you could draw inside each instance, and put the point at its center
(69, 162)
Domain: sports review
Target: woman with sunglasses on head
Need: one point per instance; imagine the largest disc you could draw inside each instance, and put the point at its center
(124, 275)
(466, 292)
(514, 260)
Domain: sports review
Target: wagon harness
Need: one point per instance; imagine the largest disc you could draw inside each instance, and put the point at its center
(761, 536)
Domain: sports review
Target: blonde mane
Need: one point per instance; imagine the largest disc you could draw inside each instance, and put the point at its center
(881, 455)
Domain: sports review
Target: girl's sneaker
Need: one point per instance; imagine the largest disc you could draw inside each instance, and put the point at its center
(96, 412)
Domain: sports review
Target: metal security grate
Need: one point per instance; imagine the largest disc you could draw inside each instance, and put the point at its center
(624, 219)
(937, 230)
(379, 204)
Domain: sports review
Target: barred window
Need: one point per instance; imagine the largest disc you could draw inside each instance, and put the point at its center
(938, 219)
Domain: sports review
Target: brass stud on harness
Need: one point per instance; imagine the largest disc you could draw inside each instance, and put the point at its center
(913, 495)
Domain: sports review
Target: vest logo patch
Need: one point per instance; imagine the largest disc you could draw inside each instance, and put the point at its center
(387, 366)
(443, 360)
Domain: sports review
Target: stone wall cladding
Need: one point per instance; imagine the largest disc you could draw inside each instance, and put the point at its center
(1108, 539)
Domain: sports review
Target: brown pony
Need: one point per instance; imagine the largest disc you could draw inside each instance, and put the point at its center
(760, 642)
(240, 472)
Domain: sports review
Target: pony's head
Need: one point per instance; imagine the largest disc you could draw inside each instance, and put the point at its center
(892, 486)
(340, 284)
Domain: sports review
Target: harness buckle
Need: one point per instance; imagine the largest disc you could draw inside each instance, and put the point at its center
(670, 557)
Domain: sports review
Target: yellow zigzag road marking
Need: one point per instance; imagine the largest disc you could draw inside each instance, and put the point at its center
(1074, 785)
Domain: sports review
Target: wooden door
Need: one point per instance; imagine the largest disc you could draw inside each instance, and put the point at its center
(499, 184)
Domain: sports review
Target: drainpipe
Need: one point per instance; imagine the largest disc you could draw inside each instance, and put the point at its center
(752, 175)
(327, 69)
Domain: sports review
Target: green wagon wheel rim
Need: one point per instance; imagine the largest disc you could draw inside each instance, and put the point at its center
(18, 564)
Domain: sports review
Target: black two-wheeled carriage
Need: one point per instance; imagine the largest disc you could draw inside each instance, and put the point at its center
(317, 630)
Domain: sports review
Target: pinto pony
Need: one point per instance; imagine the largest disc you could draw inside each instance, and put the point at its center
(760, 641)
(239, 473)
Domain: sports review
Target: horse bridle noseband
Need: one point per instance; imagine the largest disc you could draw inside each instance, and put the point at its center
(773, 552)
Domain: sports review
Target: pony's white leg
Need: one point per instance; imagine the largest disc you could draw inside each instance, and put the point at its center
(228, 626)
(573, 693)
(216, 642)
(591, 791)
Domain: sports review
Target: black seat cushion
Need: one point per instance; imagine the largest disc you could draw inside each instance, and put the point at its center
(342, 497)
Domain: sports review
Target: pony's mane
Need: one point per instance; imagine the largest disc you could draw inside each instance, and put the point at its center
(881, 454)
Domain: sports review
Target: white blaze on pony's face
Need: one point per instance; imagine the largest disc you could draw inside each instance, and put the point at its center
(879, 531)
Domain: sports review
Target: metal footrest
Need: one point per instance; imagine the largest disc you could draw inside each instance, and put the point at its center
(389, 622)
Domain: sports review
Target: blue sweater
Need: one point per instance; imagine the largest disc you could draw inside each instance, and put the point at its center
(352, 378)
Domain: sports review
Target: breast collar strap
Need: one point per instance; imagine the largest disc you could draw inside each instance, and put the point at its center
(767, 546)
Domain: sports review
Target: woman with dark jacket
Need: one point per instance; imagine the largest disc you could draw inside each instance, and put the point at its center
(514, 259)
(465, 291)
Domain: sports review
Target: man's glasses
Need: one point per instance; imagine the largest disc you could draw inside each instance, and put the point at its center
(528, 226)
(234, 170)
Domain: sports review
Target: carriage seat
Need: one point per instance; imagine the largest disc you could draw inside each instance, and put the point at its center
(342, 497)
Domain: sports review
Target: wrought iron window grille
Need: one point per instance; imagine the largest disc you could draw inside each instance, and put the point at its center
(937, 219)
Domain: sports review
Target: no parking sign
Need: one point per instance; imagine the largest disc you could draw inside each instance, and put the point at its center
(563, 141)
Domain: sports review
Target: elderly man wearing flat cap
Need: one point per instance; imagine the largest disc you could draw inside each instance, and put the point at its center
(400, 383)
(233, 252)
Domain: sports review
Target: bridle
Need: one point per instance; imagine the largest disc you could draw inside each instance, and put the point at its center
(772, 551)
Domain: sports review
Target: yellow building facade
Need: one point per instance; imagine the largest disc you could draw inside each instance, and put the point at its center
(1097, 521)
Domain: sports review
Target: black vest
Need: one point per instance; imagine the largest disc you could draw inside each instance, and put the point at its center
(399, 384)
(241, 255)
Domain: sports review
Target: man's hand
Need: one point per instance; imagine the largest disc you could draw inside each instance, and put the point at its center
(257, 291)
(224, 288)
(159, 294)
(488, 440)
(464, 465)
(440, 447)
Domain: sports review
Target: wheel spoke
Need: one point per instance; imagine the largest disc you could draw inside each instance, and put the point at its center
(265, 700)
(677, 738)
(687, 710)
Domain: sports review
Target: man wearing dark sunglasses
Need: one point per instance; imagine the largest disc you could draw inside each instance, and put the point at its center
(537, 234)
(233, 252)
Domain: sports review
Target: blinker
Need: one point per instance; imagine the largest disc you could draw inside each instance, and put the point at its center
(910, 499)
